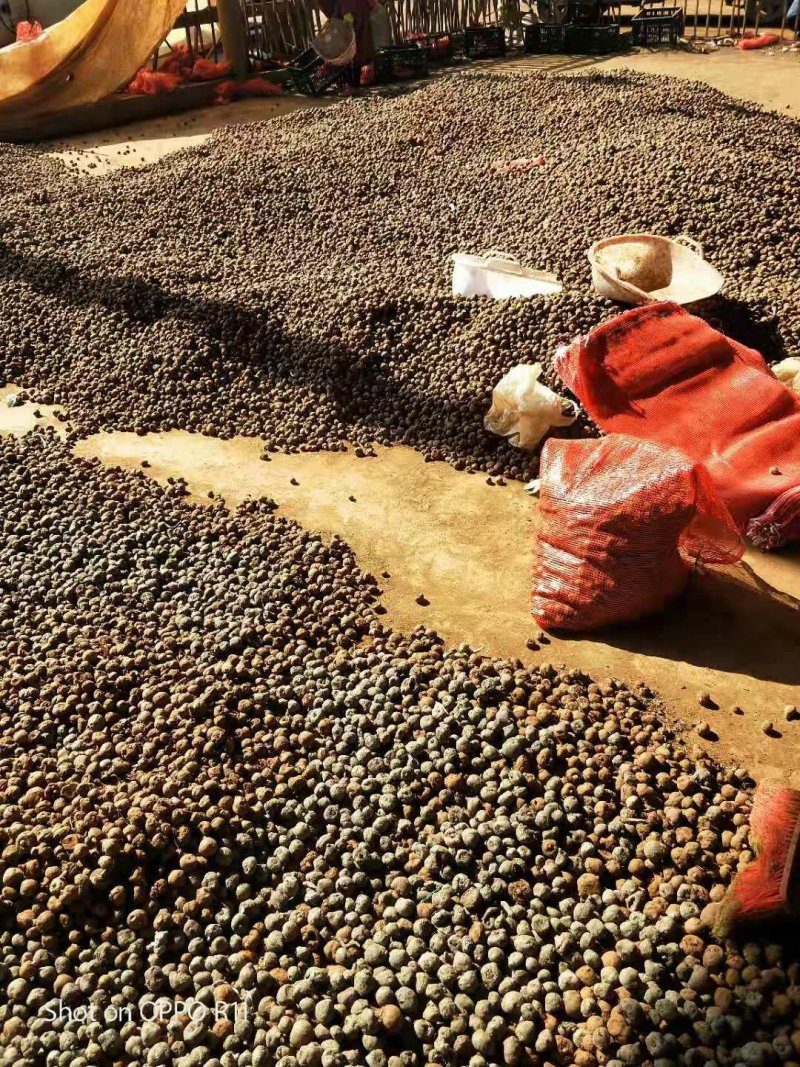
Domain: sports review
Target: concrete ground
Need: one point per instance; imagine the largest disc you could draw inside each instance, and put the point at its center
(770, 78)
(141, 143)
(467, 545)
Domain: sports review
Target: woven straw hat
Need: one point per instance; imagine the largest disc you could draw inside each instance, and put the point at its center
(642, 268)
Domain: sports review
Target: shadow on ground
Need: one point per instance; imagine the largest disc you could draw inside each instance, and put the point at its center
(748, 627)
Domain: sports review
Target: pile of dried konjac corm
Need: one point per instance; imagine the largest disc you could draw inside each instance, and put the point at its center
(290, 279)
(243, 822)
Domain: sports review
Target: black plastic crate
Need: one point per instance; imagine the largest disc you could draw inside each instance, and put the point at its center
(311, 75)
(586, 12)
(484, 42)
(400, 63)
(593, 40)
(657, 27)
(544, 37)
(439, 47)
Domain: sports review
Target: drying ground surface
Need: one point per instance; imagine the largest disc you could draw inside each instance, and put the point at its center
(466, 546)
(297, 782)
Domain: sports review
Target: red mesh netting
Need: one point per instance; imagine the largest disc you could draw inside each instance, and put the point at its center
(208, 69)
(620, 521)
(233, 90)
(28, 31)
(663, 375)
(152, 82)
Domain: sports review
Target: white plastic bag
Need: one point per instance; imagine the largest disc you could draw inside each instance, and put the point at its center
(381, 26)
(788, 372)
(523, 409)
(499, 275)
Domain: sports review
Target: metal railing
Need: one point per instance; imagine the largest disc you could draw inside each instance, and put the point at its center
(735, 18)
(279, 29)
(197, 29)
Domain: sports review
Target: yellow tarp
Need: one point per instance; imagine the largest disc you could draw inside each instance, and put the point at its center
(88, 55)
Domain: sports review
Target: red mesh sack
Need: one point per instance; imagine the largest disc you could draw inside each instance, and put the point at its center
(620, 523)
(663, 375)
(179, 60)
(233, 90)
(764, 40)
(208, 69)
(152, 82)
(259, 87)
(28, 31)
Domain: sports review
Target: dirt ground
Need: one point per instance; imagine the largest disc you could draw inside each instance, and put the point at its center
(140, 143)
(770, 78)
(466, 545)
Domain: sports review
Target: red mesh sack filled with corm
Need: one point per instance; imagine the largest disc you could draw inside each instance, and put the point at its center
(620, 524)
(152, 82)
(208, 69)
(28, 31)
(233, 90)
(665, 376)
(179, 60)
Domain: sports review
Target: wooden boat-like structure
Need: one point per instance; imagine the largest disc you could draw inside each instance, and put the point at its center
(80, 60)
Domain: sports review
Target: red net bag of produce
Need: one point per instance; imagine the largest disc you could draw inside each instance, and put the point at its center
(208, 69)
(178, 61)
(28, 31)
(151, 82)
(621, 522)
(663, 375)
(764, 40)
(233, 90)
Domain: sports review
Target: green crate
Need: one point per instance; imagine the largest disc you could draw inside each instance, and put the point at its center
(438, 47)
(544, 37)
(484, 42)
(657, 27)
(593, 40)
(311, 75)
(585, 12)
(400, 63)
